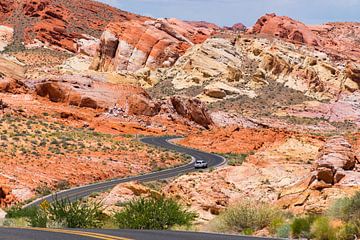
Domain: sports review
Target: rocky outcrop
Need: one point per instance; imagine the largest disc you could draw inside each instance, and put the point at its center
(59, 23)
(284, 27)
(192, 109)
(353, 72)
(237, 27)
(9, 85)
(335, 157)
(6, 37)
(131, 45)
(249, 64)
(142, 104)
(216, 59)
(12, 68)
(333, 38)
(86, 92)
(335, 174)
(6, 198)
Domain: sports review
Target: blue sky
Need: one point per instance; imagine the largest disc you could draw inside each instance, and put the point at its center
(228, 12)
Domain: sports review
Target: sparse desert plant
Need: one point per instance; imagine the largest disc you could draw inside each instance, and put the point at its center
(300, 227)
(153, 213)
(348, 210)
(247, 215)
(321, 229)
(63, 213)
(348, 231)
(19, 212)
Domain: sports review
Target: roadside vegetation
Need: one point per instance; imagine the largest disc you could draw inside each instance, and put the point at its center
(340, 222)
(157, 213)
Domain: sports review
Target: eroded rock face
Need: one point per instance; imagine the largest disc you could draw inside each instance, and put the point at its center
(335, 157)
(335, 173)
(353, 72)
(86, 92)
(131, 45)
(6, 37)
(250, 64)
(10, 67)
(192, 109)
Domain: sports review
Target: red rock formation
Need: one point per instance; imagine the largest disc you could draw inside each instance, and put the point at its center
(85, 92)
(192, 109)
(340, 40)
(6, 198)
(237, 27)
(131, 45)
(59, 22)
(284, 27)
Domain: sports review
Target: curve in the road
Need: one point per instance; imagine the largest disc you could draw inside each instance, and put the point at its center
(162, 142)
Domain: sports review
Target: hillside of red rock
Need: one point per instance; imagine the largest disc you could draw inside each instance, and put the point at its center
(131, 45)
(59, 22)
(339, 39)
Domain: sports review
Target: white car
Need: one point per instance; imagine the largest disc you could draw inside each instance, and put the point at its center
(201, 164)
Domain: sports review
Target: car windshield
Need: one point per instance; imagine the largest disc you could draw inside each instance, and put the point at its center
(200, 161)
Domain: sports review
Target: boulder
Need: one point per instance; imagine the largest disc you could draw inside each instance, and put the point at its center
(142, 105)
(6, 197)
(192, 109)
(337, 153)
(215, 93)
(326, 175)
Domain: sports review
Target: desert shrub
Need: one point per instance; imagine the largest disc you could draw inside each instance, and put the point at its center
(300, 227)
(348, 231)
(19, 212)
(153, 213)
(322, 230)
(247, 215)
(38, 219)
(340, 209)
(348, 210)
(68, 214)
(283, 231)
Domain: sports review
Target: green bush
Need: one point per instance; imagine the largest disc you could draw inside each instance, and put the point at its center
(322, 230)
(283, 231)
(247, 215)
(19, 212)
(68, 214)
(300, 227)
(153, 213)
(348, 232)
(348, 210)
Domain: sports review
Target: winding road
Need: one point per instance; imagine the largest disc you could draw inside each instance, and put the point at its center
(163, 142)
(84, 191)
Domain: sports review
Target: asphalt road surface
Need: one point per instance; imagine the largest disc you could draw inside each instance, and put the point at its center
(163, 142)
(67, 234)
